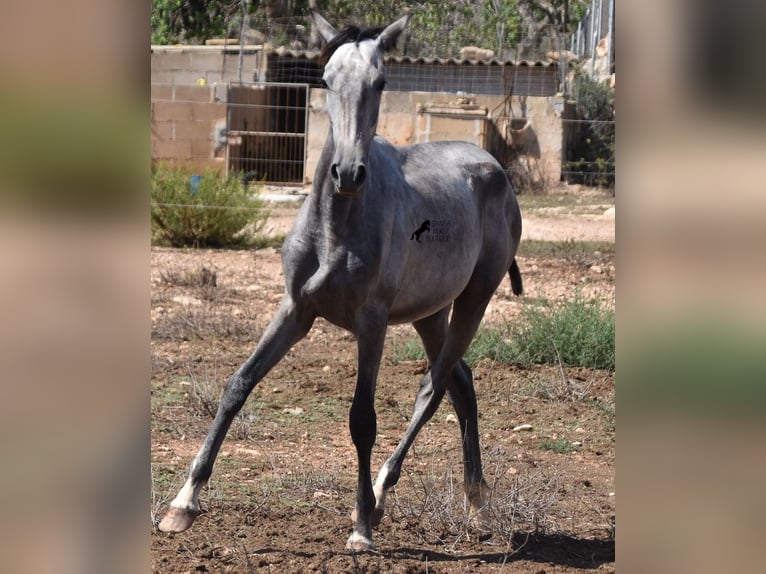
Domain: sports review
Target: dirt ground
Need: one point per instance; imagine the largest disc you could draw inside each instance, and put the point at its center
(284, 483)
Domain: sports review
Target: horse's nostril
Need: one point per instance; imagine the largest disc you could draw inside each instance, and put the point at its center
(360, 174)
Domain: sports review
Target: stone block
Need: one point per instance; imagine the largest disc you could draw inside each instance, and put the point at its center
(162, 60)
(161, 91)
(193, 94)
(191, 130)
(170, 111)
(171, 149)
(202, 148)
(163, 130)
(208, 112)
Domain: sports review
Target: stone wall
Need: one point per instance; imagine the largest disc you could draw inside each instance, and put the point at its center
(531, 131)
(187, 65)
(183, 120)
(185, 115)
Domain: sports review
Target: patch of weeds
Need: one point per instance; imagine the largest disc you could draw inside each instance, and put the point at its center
(407, 349)
(204, 395)
(608, 408)
(574, 201)
(557, 445)
(559, 389)
(526, 504)
(168, 394)
(490, 343)
(580, 253)
(573, 333)
(576, 333)
(326, 409)
(200, 322)
(433, 503)
(199, 276)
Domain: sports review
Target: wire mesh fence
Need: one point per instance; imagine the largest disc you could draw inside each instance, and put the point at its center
(265, 140)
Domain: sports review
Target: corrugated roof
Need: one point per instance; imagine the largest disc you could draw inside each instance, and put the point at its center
(314, 55)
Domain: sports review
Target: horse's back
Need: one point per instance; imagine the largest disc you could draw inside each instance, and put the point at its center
(451, 166)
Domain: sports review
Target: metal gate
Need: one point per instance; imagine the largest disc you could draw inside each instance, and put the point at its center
(266, 127)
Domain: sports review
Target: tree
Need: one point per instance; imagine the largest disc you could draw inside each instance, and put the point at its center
(546, 21)
(190, 21)
(438, 27)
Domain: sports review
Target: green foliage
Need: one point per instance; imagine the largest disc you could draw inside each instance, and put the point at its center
(557, 445)
(592, 153)
(221, 213)
(490, 343)
(409, 349)
(574, 333)
(191, 21)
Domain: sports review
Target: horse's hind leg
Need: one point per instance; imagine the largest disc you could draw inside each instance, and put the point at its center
(462, 396)
(459, 387)
(432, 331)
(289, 325)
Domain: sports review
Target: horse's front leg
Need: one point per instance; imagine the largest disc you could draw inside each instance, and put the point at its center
(289, 325)
(370, 331)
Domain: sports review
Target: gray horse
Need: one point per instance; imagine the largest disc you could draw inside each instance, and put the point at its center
(350, 259)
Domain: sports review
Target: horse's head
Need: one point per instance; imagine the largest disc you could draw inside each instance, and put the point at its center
(354, 76)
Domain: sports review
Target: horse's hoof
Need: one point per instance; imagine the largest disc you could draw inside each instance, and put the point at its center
(375, 518)
(178, 519)
(359, 543)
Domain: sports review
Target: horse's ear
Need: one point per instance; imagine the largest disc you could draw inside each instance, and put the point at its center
(325, 29)
(388, 37)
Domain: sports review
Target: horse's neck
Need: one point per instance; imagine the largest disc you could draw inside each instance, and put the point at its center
(333, 214)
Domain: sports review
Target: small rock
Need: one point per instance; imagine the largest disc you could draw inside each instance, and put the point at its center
(293, 410)
(320, 494)
(524, 427)
(609, 212)
(326, 368)
(576, 443)
(511, 470)
(579, 430)
(450, 418)
(597, 269)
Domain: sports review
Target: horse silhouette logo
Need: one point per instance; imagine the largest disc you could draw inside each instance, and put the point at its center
(425, 226)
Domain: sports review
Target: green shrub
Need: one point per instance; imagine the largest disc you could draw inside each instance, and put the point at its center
(220, 213)
(574, 333)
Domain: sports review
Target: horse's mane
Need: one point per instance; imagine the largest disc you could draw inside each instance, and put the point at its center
(346, 36)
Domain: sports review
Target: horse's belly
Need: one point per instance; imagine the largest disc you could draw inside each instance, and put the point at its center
(423, 295)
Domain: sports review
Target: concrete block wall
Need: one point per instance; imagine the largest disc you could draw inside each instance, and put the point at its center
(183, 119)
(187, 65)
(405, 119)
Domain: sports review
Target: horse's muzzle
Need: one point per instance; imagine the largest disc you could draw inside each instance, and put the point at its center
(348, 180)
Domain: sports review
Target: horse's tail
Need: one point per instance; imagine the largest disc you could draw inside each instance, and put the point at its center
(515, 275)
